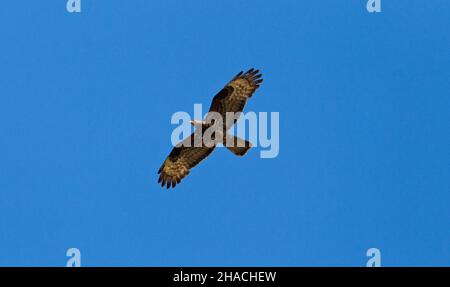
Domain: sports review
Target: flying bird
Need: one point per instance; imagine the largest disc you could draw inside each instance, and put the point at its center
(186, 155)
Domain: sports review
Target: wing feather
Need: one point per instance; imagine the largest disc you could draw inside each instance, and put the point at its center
(234, 96)
(180, 161)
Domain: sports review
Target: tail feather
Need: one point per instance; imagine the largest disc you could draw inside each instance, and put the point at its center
(237, 145)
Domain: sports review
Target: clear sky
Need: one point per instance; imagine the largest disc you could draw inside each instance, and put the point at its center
(85, 107)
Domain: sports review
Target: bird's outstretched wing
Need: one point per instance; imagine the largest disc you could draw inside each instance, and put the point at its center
(234, 95)
(180, 161)
(231, 98)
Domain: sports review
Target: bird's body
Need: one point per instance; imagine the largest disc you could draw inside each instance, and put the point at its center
(196, 147)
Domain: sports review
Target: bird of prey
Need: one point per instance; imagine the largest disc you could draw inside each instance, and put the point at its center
(185, 155)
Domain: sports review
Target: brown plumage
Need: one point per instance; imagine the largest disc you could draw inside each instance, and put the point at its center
(232, 98)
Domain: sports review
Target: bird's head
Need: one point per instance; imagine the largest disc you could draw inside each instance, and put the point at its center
(197, 123)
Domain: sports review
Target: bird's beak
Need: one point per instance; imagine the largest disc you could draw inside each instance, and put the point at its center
(196, 123)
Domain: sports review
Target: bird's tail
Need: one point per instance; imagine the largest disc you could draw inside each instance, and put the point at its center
(236, 145)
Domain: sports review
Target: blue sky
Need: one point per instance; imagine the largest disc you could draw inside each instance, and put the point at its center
(85, 107)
